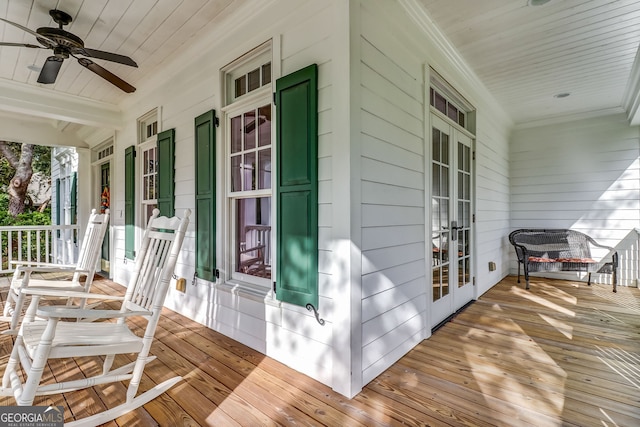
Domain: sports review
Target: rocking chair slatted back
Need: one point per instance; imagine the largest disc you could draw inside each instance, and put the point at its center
(58, 337)
(90, 248)
(155, 253)
(85, 268)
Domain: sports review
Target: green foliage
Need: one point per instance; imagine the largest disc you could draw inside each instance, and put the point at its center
(27, 218)
(42, 159)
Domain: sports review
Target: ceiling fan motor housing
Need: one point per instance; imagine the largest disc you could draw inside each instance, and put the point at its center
(61, 37)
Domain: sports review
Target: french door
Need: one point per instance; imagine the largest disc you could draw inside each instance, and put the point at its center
(105, 203)
(451, 219)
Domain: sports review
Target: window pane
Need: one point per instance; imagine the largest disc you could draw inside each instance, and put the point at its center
(152, 161)
(241, 86)
(145, 188)
(236, 134)
(264, 126)
(236, 181)
(253, 236)
(145, 162)
(452, 112)
(435, 180)
(249, 171)
(266, 73)
(445, 148)
(444, 181)
(149, 211)
(440, 103)
(264, 169)
(250, 130)
(254, 79)
(152, 187)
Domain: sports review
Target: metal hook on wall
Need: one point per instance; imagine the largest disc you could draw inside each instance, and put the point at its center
(310, 307)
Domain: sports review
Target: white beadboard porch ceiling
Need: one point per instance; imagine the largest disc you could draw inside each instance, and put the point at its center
(149, 31)
(524, 55)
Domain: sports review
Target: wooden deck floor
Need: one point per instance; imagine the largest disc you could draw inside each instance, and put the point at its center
(561, 354)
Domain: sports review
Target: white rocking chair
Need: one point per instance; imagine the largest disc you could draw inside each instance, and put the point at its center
(83, 272)
(41, 340)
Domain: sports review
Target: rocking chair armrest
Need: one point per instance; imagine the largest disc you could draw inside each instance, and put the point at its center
(40, 264)
(46, 292)
(65, 269)
(66, 312)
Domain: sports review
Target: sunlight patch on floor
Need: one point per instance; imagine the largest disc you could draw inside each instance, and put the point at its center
(541, 392)
(542, 301)
(560, 326)
(623, 297)
(624, 363)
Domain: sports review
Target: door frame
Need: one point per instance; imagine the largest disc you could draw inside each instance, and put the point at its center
(451, 303)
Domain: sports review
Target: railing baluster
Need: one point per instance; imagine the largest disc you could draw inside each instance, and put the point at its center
(47, 233)
(2, 257)
(10, 252)
(38, 247)
(29, 249)
(19, 246)
(57, 250)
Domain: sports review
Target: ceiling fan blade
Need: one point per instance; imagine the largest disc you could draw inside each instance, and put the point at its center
(50, 70)
(22, 45)
(108, 56)
(30, 31)
(107, 75)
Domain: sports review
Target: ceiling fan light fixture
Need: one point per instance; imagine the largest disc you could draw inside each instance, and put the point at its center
(537, 2)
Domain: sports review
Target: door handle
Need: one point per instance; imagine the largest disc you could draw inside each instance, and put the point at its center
(454, 232)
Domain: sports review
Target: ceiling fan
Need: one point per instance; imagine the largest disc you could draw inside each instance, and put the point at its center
(65, 44)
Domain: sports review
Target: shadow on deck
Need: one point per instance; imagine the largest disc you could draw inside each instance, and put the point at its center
(562, 353)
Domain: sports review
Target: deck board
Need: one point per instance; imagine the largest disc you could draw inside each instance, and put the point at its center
(561, 354)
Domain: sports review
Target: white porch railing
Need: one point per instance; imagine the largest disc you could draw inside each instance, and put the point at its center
(43, 243)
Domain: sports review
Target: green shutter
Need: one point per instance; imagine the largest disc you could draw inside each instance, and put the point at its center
(129, 199)
(205, 150)
(297, 187)
(166, 158)
(74, 198)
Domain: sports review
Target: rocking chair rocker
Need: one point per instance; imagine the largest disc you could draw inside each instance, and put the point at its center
(83, 272)
(55, 337)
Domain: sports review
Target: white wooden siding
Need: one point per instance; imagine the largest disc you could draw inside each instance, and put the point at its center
(395, 54)
(492, 198)
(582, 175)
(372, 211)
(288, 333)
(393, 212)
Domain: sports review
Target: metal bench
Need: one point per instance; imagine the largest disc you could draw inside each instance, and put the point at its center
(540, 250)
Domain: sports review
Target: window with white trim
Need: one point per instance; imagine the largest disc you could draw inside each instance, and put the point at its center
(248, 156)
(148, 158)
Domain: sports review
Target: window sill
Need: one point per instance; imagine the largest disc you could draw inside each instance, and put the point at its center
(249, 291)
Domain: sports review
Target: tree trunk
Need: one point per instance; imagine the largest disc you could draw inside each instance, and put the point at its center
(20, 181)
